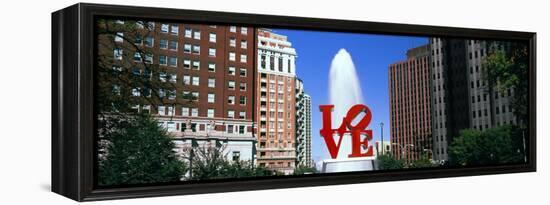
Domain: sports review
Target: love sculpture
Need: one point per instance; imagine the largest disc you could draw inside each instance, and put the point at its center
(356, 131)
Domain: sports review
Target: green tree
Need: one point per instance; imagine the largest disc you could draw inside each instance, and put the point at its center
(500, 145)
(507, 68)
(423, 162)
(138, 151)
(388, 161)
(211, 163)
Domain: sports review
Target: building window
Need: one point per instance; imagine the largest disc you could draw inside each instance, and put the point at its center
(174, 45)
(164, 28)
(136, 92)
(243, 44)
(233, 29)
(117, 53)
(242, 115)
(186, 64)
(211, 97)
(149, 41)
(243, 58)
(187, 48)
(242, 72)
(231, 70)
(186, 80)
(232, 42)
(280, 64)
(195, 96)
(242, 86)
(188, 33)
(137, 57)
(232, 56)
(173, 61)
(244, 30)
(230, 129)
(231, 100)
(196, 49)
(195, 81)
(175, 29)
(185, 111)
(173, 78)
(162, 77)
(231, 85)
(212, 37)
(171, 94)
(163, 44)
(242, 100)
(119, 37)
(161, 110)
(196, 65)
(212, 52)
(148, 58)
(210, 113)
(211, 82)
(138, 40)
(231, 114)
(197, 34)
(194, 112)
(186, 95)
(212, 67)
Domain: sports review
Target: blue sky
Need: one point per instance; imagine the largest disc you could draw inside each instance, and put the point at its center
(371, 55)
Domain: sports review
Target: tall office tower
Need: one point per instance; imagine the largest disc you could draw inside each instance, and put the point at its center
(461, 97)
(410, 105)
(303, 126)
(276, 106)
(203, 76)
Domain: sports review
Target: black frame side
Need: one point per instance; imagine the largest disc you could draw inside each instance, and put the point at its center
(72, 99)
(66, 174)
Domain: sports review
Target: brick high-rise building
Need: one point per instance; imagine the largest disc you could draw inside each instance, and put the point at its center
(410, 105)
(275, 102)
(460, 97)
(210, 72)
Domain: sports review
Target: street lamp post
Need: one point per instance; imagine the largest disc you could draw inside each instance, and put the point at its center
(382, 135)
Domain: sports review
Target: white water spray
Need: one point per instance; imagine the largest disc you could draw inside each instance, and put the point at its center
(344, 92)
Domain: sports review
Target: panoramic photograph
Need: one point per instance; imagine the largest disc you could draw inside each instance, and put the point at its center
(181, 102)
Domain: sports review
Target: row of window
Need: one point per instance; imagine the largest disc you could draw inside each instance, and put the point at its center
(194, 127)
(188, 32)
(194, 112)
(187, 95)
(498, 110)
(188, 48)
(195, 33)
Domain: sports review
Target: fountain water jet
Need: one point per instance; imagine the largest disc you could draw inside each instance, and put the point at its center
(344, 92)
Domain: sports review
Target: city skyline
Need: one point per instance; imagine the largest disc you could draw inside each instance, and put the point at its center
(228, 97)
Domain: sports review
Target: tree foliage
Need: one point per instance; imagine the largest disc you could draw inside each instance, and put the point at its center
(137, 151)
(423, 162)
(508, 69)
(500, 145)
(212, 163)
(388, 162)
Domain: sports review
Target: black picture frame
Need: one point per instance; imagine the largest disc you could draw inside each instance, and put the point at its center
(73, 100)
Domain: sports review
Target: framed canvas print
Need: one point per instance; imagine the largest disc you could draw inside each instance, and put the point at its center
(155, 102)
